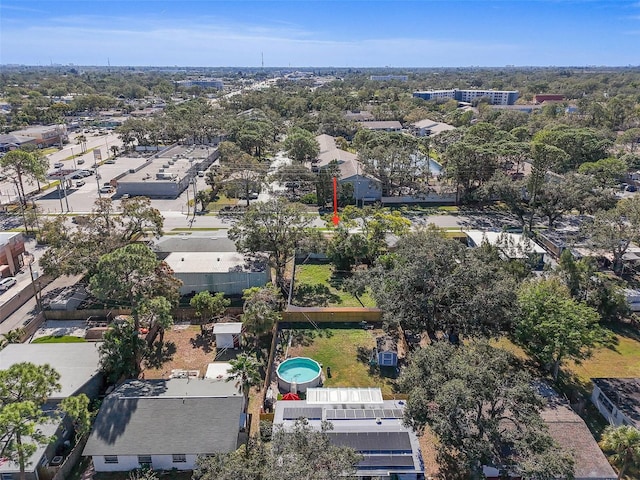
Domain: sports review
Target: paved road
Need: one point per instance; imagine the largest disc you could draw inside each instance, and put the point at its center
(29, 310)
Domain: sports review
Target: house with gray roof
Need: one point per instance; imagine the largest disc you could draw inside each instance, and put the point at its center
(166, 424)
(193, 242)
(382, 125)
(570, 431)
(366, 188)
(618, 400)
(364, 421)
(78, 366)
(11, 141)
(428, 127)
(572, 435)
(77, 363)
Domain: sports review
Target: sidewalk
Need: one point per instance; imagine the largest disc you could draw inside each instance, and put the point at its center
(28, 311)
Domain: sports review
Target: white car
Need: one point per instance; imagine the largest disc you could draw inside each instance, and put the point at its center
(6, 283)
(80, 183)
(58, 165)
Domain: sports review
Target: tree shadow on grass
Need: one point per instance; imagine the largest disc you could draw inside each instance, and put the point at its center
(160, 354)
(204, 341)
(625, 329)
(315, 295)
(302, 337)
(364, 355)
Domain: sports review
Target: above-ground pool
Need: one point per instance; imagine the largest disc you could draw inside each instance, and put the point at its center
(298, 373)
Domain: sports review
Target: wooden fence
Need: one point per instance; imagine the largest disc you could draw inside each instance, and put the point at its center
(294, 314)
(179, 314)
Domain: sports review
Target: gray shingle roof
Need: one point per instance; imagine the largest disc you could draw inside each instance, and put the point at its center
(624, 393)
(194, 243)
(165, 421)
(77, 363)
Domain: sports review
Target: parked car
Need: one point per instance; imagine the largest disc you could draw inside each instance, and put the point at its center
(80, 183)
(58, 165)
(106, 189)
(125, 196)
(631, 188)
(200, 173)
(7, 283)
(80, 161)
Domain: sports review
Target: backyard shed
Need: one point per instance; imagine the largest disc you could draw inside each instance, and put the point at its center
(228, 335)
(386, 351)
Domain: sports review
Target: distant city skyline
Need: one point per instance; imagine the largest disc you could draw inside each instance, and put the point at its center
(217, 33)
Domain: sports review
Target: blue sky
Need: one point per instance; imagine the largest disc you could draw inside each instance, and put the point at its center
(395, 33)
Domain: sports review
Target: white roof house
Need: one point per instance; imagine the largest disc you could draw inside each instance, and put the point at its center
(511, 245)
(227, 272)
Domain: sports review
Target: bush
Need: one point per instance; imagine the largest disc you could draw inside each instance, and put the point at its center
(266, 430)
(309, 199)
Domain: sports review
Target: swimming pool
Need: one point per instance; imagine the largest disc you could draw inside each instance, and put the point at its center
(298, 373)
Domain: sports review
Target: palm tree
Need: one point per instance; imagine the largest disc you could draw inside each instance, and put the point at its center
(82, 141)
(245, 370)
(624, 441)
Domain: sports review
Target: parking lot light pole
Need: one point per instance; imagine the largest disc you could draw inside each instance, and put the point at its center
(98, 181)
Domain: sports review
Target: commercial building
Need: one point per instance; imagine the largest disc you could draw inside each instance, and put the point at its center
(11, 141)
(364, 421)
(166, 174)
(388, 78)
(11, 252)
(202, 82)
(548, 97)
(496, 97)
(45, 136)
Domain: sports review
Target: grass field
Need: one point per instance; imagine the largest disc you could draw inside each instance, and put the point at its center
(346, 351)
(620, 360)
(318, 286)
(61, 339)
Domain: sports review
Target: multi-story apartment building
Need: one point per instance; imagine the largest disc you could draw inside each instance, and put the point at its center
(496, 97)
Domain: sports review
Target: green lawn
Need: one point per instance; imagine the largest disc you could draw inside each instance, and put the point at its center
(318, 286)
(61, 339)
(346, 351)
(621, 360)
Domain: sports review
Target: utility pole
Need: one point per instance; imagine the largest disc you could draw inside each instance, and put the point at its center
(195, 197)
(33, 283)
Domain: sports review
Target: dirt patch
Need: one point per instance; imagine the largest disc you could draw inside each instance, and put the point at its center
(185, 349)
(428, 443)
